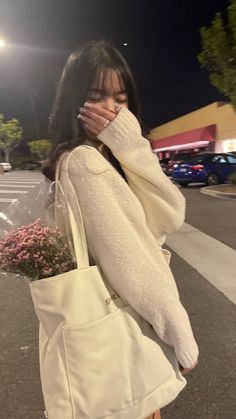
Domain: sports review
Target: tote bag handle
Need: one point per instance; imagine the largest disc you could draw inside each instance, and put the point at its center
(77, 226)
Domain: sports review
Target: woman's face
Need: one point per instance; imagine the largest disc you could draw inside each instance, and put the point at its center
(105, 92)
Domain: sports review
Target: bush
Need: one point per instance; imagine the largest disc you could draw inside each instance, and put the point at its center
(24, 162)
(232, 178)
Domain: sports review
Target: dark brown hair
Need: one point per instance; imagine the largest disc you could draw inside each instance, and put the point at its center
(81, 69)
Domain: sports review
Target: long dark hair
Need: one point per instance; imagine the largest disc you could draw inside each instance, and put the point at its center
(81, 69)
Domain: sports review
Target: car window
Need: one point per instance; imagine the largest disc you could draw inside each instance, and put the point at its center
(231, 159)
(198, 159)
(219, 159)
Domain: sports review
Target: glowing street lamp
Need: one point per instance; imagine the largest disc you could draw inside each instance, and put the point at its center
(2, 43)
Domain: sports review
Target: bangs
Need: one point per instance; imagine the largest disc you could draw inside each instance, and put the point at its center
(104, 79)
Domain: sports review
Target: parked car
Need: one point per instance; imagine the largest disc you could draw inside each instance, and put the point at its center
(164, 164)
(208, 168)
(178, 159)
(31, 165)
(6, 166)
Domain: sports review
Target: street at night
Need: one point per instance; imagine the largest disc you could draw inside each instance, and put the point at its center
(111, 113)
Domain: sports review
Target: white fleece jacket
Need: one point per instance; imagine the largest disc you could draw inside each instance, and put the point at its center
(126, 225)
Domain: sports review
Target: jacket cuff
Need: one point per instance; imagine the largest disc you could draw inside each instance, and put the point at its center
(123, 130)
(187, 358)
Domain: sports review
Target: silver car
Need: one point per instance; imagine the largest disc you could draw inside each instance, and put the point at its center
(6, 166)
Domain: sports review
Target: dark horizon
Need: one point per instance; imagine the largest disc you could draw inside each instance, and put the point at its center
(163, 43)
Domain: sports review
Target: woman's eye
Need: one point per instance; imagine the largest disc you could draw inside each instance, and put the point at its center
(100, 99)
(121, 100)
(94, 99)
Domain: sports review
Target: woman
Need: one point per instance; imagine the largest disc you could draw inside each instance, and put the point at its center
(128, 204)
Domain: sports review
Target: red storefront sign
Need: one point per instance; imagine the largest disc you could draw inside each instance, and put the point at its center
(199, 137)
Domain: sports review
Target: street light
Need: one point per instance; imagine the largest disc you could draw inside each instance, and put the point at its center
(2, 43)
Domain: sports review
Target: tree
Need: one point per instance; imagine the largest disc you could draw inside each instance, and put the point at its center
(40, 147)
(10, 135)
(219, 52)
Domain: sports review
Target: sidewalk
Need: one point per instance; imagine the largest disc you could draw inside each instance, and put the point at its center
(225, 191)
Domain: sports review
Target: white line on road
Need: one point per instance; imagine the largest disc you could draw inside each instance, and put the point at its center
(211, 258)
(17, 186)
(20, 181)
(7, 199)
(17, 192)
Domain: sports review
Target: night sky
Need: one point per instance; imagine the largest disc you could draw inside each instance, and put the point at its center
(163, 43)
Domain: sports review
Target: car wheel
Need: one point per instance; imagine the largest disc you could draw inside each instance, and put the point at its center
(184, 184)
(212, 179)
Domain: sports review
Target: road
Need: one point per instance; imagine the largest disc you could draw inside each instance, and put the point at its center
(208, 295)
(17, 184)
(210, 393)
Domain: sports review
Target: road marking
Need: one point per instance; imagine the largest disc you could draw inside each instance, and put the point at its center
(17, 186)
(20, 181)
(7, 199)
(29, 177)
(17, 192)
(211, 258)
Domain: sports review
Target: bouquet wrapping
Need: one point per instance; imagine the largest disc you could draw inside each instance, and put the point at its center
(31, 244)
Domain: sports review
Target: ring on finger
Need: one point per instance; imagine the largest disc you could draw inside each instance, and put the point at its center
(106, 123)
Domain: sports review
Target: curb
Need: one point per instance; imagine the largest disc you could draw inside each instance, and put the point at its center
(209, 190)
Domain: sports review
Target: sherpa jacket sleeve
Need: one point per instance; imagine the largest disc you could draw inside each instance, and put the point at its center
(163, 203)
(121, 243)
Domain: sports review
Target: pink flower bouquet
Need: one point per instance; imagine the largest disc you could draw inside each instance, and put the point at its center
(35, 251)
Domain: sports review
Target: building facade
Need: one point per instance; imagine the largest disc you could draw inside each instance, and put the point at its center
(211, 128)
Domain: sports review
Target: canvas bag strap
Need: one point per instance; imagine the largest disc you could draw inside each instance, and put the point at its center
(77, 226)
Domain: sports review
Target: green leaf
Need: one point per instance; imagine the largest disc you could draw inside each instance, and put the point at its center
(10, 134)
(218, 53)
(40, 147)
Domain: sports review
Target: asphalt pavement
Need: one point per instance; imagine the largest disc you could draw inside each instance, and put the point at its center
(211, 389)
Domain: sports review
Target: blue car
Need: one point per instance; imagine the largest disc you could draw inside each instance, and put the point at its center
(208, 168)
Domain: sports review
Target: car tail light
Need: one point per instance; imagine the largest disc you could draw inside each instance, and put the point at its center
(197, 167)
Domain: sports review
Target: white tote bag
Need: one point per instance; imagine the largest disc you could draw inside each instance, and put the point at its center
(98, 358)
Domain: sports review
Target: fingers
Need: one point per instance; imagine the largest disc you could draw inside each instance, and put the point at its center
(93, 122)
(99, 113)
(96, 118)
(90, 124)
(185, 371)
(100, 120)
(103, 112)
(91, 129)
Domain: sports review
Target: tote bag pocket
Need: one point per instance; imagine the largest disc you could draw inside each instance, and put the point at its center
(97, 363)
(103, 377)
